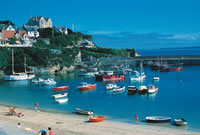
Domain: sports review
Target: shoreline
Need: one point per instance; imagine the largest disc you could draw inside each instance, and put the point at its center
(66, 123)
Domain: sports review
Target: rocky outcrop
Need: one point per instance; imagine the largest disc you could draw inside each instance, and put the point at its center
(58, 69)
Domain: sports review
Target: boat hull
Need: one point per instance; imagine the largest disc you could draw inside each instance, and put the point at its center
(60, 88)
(84, 112)
(158, 119)
(97, 118)
(90, 87)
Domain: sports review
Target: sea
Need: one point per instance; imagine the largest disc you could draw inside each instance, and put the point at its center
(178, 95)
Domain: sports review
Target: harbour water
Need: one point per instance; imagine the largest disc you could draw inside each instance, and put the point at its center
(178, 96)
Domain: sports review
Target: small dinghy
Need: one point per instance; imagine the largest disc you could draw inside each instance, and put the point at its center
(97, 118)
(157, 119)
(84, 112)
(118, 89)
(59, 95)
(60, 88)
(62, 100)
(180, 122)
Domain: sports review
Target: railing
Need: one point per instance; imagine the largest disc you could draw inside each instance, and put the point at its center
(16, 45)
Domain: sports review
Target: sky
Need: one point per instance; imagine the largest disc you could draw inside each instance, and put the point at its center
(121, 21)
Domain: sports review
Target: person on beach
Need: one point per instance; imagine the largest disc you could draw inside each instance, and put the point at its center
(36, 105)
(42, 132)
(136, 117)
(50, 131)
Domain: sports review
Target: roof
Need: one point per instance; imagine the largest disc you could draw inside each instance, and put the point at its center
(9, 34)
(7, 22)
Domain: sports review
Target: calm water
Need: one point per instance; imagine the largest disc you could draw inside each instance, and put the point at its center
(178, 96)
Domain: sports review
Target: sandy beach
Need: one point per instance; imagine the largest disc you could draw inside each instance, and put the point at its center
(71, 124)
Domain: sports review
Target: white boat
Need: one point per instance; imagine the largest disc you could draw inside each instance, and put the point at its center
(156, 78)
(142, 89)
(38, 80)
(85, 112)
(132, 89)
(60, 95)
(92, 74)
(180, 122)
(110, 86)
(138, 76)
(157, 119)
(62, 100)
(49, 81)
(152, 89)
(118, 89)
(16, 77)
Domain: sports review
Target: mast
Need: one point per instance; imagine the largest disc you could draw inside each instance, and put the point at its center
(25, 64)
(13, 72)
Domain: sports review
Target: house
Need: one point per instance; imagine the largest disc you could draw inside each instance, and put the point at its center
(8, 31)
(7, 22)
(32, 31)
(40, 22)
(86, 43)
(61, 29)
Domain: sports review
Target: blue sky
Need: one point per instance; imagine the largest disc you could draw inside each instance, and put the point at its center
(108, 18)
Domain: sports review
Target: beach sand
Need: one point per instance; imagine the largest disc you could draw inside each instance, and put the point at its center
(71, 124)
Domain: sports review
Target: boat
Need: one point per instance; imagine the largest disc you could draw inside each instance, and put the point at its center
(118, 89)
(138, 76)
(97, 118)
(60, 95)
(157, 119)
(60, 88)
(15, 76)
(49, 81)
(38, 80)
(180, 122)
(152, 89)
(113, 77)
(110, 86)
(142, 89)
(132, 89)
(156, 78)
(86, 86)
(62, 100)
(92, 74)
(84, 112)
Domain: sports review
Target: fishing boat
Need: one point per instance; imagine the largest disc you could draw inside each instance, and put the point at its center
(62, 100)
(86, 86)
(142, 89)
(84, 112)
(97, 118)
(157, 119)
(118, 89)
(60, 88)
(110, 86)
(152, 89)
(132, 89)
(113, 77)
(180, 122)
(49, 81)
(92, 74)
(60, 95)
(38, 80)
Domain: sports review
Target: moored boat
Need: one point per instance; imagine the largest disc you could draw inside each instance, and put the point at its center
(84, 112)
(97, 118)
(113, 77)
(60, 88)
(110, 86)
(156, 78)
(60, 95)
(118, 89)
(157, 119)
(38, 80)
(152, 89)
(16, 77)
(142, 89)
(49, 81)
(180, 122)
(132, 89)
(62, 100)
(86, 86)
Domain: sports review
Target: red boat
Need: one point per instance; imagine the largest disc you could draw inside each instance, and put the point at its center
(97, 118)
(86, 86)
(113, 77)
(171, 68)
(60, 88)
